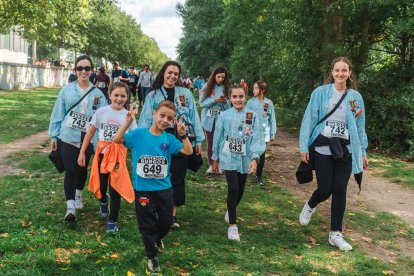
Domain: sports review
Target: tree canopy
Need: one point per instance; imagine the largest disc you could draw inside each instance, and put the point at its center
(290, 44)
(96, 27)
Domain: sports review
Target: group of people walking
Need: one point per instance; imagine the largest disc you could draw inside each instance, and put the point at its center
(169, 131)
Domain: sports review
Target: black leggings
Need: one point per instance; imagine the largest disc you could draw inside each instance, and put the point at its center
(178, 169)
(75, 176)
(154, 215)
(332, 177)
(260, 166)
(235, 188)
(115, 197)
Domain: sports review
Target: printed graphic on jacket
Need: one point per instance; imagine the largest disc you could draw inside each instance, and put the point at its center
(356, 110)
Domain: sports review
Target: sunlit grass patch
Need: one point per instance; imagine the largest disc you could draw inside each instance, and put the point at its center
(23, 113)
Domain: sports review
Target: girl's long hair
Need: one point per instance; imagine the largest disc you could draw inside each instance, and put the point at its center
(351, 82)
(212, 81)
(159, 80)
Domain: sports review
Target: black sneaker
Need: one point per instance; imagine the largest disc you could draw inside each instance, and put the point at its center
(159, 246)
(153, 266)
(259, 180)
(175, 223)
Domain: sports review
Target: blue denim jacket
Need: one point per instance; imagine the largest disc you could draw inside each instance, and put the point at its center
(208, 121)
(67, 97)
(232, 123)
(267, 117)
(355, 118)
(189, 110)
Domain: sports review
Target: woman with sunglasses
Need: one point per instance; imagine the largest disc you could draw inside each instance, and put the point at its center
(68, 124)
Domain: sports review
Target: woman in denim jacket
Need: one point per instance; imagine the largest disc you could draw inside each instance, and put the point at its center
(343, 132)
(67, 130)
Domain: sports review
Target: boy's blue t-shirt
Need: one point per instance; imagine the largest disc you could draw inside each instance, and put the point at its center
(151, 158)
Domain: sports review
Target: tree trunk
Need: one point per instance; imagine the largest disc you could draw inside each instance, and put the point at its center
(34, 50)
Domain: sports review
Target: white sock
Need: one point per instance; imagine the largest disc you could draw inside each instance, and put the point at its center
(70, 203)
(78, 192)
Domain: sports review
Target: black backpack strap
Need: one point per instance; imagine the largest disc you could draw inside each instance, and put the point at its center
(334, 109)
(81, 99)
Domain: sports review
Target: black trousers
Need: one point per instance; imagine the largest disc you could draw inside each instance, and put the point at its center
(235, 188)
(178, 169)
(154, 215)
(115, 197)
(260, 166)
(75, 176)
(332, 179)
(133, 90)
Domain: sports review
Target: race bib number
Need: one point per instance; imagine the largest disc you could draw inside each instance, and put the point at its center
(235, 145)
(155, 167)
(116, 79)
(107, 132)
(78, 121)
(132, 79)
(337, 129)
(101, 84)
(214, 111)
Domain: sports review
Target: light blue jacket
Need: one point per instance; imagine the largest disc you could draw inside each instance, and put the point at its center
(67, 97)
(190, 110)
(355, 118)
(267, 119)
(232, 123)
(207, 103)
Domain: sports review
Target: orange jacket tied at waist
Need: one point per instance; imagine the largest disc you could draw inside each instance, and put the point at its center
(114, 163)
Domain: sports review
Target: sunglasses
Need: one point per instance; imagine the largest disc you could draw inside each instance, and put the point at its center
(81, 68)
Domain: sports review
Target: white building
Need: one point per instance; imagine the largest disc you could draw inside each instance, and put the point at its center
(13, 48)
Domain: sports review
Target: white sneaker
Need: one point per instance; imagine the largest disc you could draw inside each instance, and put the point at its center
(70, 214)
(210, 170)
(336, 239)
(233, 233)
(226, 217)
(306, 214)
(78, 201)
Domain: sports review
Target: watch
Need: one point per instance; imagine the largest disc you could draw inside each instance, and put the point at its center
(182, 137)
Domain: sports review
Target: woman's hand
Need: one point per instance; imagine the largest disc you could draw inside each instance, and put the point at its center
(304, 156)
(198, 149)
(365, 162)
(215, 166)
(81, 159)
(53, 145)
(253, 167)
(220, 100)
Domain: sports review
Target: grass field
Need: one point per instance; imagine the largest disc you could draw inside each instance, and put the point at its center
(23, 113)
(35, 240)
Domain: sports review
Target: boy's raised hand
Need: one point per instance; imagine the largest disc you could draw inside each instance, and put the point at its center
(180, 126)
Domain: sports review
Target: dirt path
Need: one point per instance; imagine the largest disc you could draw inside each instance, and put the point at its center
(376, 191)
(377, 195)
(26, 143)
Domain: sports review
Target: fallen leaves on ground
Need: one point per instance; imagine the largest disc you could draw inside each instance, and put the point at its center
(25, 223)
(366, 239)
(312, 240)
(388, 272)
(331, 269)
(4, 235)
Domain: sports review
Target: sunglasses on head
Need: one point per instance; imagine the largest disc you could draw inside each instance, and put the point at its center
(81, 68)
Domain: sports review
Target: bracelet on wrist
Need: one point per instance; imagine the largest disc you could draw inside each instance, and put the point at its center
(182, 137)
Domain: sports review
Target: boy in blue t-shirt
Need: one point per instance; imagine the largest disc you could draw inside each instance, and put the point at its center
(151, 157)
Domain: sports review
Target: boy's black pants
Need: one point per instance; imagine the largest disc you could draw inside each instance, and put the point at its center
(154, 215)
